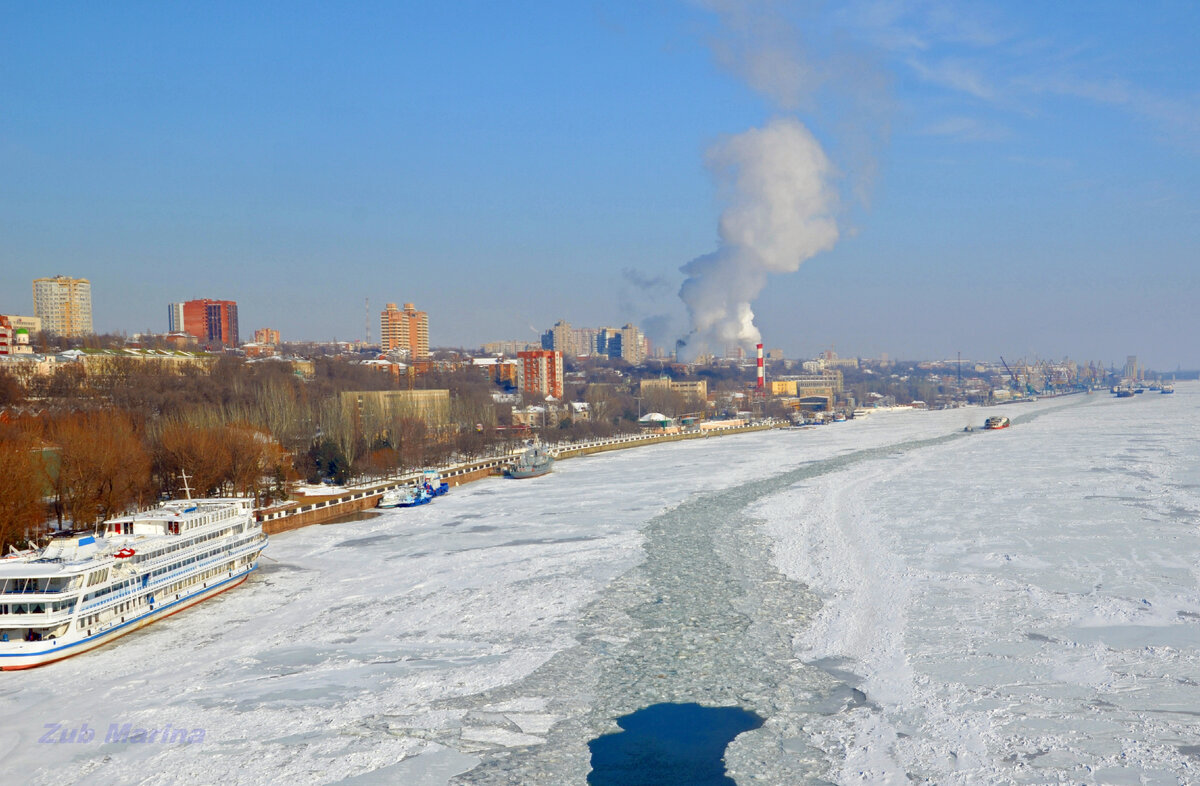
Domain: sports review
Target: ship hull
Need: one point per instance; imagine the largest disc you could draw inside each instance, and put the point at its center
(530, 473)
(19, 661)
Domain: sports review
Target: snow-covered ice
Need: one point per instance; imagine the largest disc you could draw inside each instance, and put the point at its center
(1017, 606)
(899, 601)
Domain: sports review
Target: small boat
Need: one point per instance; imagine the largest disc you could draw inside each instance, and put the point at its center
(404, 497)
(533, 462)
(434, 484)
(1167, 389)
(996, 422)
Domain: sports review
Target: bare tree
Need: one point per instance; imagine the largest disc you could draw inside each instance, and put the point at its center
(21, 484)
(104, 466)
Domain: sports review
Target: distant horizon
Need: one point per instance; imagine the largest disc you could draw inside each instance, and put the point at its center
(991, 178)
(1014, 359)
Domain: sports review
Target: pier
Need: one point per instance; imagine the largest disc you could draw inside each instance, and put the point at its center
(320, 509)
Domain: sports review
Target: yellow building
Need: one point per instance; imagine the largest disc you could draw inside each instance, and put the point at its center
(689, 389)
(64, 305)
(798, 385)
(782, 387)
(110, 361)
(431, 406)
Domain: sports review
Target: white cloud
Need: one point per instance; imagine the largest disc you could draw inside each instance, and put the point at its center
(968, 128)
(955, 75)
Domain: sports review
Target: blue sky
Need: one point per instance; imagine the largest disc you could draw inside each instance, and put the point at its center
(1011, 178)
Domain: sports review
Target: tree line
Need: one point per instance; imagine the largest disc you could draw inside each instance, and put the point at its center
(77, 448)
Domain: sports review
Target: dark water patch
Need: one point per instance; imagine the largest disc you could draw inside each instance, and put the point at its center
(411, 555)
(1189, 713)
(268, 567)
(1188, 615)
(669, 745)
(1038, 637)
(358, 515)
(1013, 758)
(1189, 750)
(837, 667)
(483, 528)
(551, 541)
(840, 699)
(530, 542)
(370, 540)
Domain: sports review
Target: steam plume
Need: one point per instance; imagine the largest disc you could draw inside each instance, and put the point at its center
(781, 212)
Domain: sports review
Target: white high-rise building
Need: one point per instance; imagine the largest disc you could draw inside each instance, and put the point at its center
(64, 305)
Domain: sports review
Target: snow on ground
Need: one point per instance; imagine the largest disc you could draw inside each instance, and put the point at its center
(1016, 606)
(325, 664)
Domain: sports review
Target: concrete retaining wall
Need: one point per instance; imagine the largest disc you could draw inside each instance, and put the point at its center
(322, 509)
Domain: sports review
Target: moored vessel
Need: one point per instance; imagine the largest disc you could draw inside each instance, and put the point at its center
(404, 497)
(433, 483)
(533, 462)
(85, 589)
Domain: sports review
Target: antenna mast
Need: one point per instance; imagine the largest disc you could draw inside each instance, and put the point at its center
(186, 489)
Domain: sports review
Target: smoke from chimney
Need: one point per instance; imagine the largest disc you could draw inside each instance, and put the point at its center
(781, 212)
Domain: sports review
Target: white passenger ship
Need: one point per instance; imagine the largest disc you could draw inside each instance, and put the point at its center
(84, 590)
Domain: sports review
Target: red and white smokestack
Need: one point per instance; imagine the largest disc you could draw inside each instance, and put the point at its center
(761, 379)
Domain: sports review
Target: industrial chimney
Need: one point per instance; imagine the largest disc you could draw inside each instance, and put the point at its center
(761, 380)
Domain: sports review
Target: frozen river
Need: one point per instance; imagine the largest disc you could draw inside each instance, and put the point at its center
(898, 600)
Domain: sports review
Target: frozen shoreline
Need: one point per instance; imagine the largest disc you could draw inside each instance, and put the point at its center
(428, 642)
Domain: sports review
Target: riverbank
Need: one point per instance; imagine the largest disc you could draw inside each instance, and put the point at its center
(321, 509)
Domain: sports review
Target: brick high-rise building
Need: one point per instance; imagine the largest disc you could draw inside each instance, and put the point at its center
(406, 330)
(266, 336)
(540, 372)
(64, 305)
(209, 321)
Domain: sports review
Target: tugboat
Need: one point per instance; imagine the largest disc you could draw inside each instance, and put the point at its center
(996, 422)
(434, 484)
(533, 462)
(405, 497)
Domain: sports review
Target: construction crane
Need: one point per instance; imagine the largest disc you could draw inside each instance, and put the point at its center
(1016, 383)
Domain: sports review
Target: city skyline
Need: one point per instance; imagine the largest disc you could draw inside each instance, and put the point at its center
(1008, 180)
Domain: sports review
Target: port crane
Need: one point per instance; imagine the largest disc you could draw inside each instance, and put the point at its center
(1016, 383)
